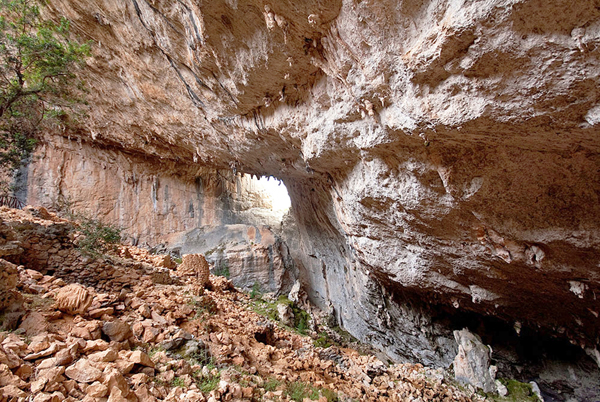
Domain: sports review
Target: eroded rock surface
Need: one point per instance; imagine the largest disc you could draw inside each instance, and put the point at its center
(440, 155)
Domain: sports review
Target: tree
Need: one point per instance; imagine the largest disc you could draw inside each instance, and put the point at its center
(37, 59)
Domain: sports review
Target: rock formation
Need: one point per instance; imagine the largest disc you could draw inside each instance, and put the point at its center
(194, 266)
(441, 156)
(157, 342)
(73, 299)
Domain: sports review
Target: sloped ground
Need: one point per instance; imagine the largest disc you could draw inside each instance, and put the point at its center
(127, 328)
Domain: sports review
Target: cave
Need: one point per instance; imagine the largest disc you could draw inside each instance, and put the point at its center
(414, 167)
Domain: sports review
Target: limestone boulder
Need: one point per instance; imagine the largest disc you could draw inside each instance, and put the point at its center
(83, 371)
(73, 299)
(472, 363)
(195, 266)
(117, 330)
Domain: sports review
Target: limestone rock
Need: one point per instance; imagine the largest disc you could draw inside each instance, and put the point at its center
(73, 299)
(83, 371)
(195, 266)
(472, 363)
(142, 358)
(11, 301)
(286, 314)
(97, 390)
(117, 330)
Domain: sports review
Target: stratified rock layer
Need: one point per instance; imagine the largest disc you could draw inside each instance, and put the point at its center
(444, 153)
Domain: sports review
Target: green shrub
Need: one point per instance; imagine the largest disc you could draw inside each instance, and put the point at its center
(271, 384)
(203, 305)
(255, 293)
(298, 391)
(209, 383)
(323, 340)
(37, 60)
(178, 382)
(222, 270)
(97, 235)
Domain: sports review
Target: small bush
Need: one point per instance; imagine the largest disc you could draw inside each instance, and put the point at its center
(178, 382)
(322, 340)
(222, 270)
(255, 293)
(209, 383)
(271, 384)
(97, 235)
(203, 305)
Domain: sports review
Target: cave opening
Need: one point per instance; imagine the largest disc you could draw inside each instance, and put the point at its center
(275, 193)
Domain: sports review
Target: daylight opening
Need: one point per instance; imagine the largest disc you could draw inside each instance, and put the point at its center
(276, 192)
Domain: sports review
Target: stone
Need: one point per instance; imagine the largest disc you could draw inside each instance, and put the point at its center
(117, 330)
(97, 390)
(115, 381)
(8, 378)
(195, 266)
(141, 358)
(12, 391)
(472, 363)
(73, 299)
(536, 391)
(83, 371)
(39, 343)
(501, 388)
(286, 314)
(99, 312)
(108, 355)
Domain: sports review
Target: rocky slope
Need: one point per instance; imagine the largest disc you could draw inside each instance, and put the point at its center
(441, 156)
(140, 331)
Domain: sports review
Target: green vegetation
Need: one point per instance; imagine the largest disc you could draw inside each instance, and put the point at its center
(269, 309)
(222, 269)
(37, 60)
(323, 340)
(208, 383)
(271, 384)
(154, 351)
(203, 305)
(178, 382)
(178, 260)
(255, 293)
(517, 392)
(297, 391)
(98, 236)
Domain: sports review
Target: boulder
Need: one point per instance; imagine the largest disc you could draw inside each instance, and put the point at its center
(117, 330)
(195, 266)
(472, 363)
(73, 299)
(83, 371)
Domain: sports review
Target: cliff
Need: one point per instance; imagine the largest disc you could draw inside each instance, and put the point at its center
(441, 156)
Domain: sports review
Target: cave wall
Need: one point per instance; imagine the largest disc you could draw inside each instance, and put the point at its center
(446, 150)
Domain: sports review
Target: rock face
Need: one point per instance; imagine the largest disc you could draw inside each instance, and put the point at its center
(440, 155)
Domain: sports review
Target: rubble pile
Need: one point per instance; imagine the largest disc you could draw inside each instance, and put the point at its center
(113, 329)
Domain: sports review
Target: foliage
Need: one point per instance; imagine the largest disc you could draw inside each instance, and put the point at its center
(208, 383)
(222, 270)
(255, 293)
(37, 60)
(178, 382)
(271, 384)
(517, 391)
(323, 340)
(203, 305)
(298, 391)
(269, 309)
(97, 236)
(178, 260)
